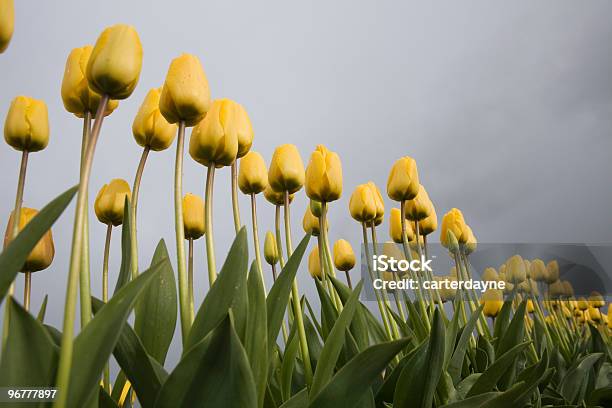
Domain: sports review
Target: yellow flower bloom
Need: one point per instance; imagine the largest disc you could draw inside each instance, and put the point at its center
(362, 204)
(583, 304)
(27, 124)
(214, 139)
(253, 174)
(403, 183)
(185, 95)
(430, 223)
(537, 270)
(110, 201)
(471, 242)
(310, 223)
(193, 216)
(594, 315)
(418, 208)
(275, 197)
(42, 255)
(552, 272)
(490, 275)
(150, 128)
(493, 300)
(395, 226)
(568, 289)
(556, 289)
(314, 265)
(447, 293)
(378, 198)
(77, 96)
(270, 249)
(245, 132)
(324, 175)
(114, 66)
(515, 269)
(596, 300)
(454, 222)
(344, 257)
(286, 169)
(530, 306)
(7, 23)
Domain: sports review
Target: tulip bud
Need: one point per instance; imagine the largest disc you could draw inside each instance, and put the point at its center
(568, 289)
(114, 66)
(471, 242)
(395, 226)
(286, 169)
(379, 220)
(193, 216)
(270, 249)
(453, 221)
(314, 265)
(150, 128)
(7, 23)
(310, 223)
(418, 208)
(447, 293)
(362, 204)
(316, 208)
(530, 306)
(344, 257)
(594, 315)
(403, 183)
(490, 275)
(556, 290)
(77, 96)
(185, 95)
(515, 269)
(214, 139)
(552, 272)
(26, 127)
(451, 242)
(324, 175)
(244, 131)
(493, 300)
(596, 300)
(430, 223)
(527, 267)
(275, 197)
(537, 270)
(582, 304)
(378, 199)
(253, 174)
(110, 202)
(43, 252)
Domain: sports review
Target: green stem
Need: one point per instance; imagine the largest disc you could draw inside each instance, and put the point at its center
(84, 275)
(295, 297)
(179, 229)
(235, 208)
(190, 277)
(324, 254)
(107, 242)
(348, 280)
(65, 358)
(134, 209)
(256, 239)
(279, 243)
(27, 290)
(210, 243)
(398, 304)
(284, 325)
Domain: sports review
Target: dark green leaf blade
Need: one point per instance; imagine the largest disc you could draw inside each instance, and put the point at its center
(257, 331)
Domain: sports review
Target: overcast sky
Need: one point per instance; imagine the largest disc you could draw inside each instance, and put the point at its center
(506, 107)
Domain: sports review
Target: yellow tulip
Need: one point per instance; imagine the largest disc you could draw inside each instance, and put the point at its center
(214, 139)
(316, 208)
(556, 290)
(270, 249)
(430, 223)
(594, 315)
(253, 174)
(150, 128)
(310, 223)
(527, 267)
(537, 270)
(109, 204)
(77, 96)
(471, 242)
(245, 132)
(493, 300)
(7, 23)
(552, 272)
(114, 66)
(275, 197)
(403, 183)
(26, 127)
(362, 204)
(447, 293)
(454, 222)
(314, 265)
(418, 208)
(395, 226)
(490, 275)
(380, 202)
(530, 306)
(344, 257)
(596, 300)
(193, 216)
(568, 289)
(582, 304)
(286, 169)
(185, 95)
(324, 175)
(43, 252)
(610, 315)
(515, 269)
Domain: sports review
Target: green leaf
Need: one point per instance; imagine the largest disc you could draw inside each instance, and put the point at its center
(514, 334)
(30, 355)
(214, 373)
(473, 402)
(278, 296)
(387, 390)
(329, 314)
(15, 254)
(135, 363)
(489, 378)
(574, 383)
(414, 387)
(359, 325)
(333, 345)
(288, 364)
(299, 400)
(354, 379)
(156, 310)
(456, 361)
(95, 343)
(601, 397)
(503, 318)
(257, 331)
(223, 292)
(43, 309)
(125, 272)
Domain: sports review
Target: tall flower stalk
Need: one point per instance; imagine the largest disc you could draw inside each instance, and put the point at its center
(134, 210)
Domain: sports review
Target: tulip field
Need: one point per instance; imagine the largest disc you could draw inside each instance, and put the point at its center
(534, 343)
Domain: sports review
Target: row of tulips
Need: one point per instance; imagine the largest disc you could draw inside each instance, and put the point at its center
(551, 350)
